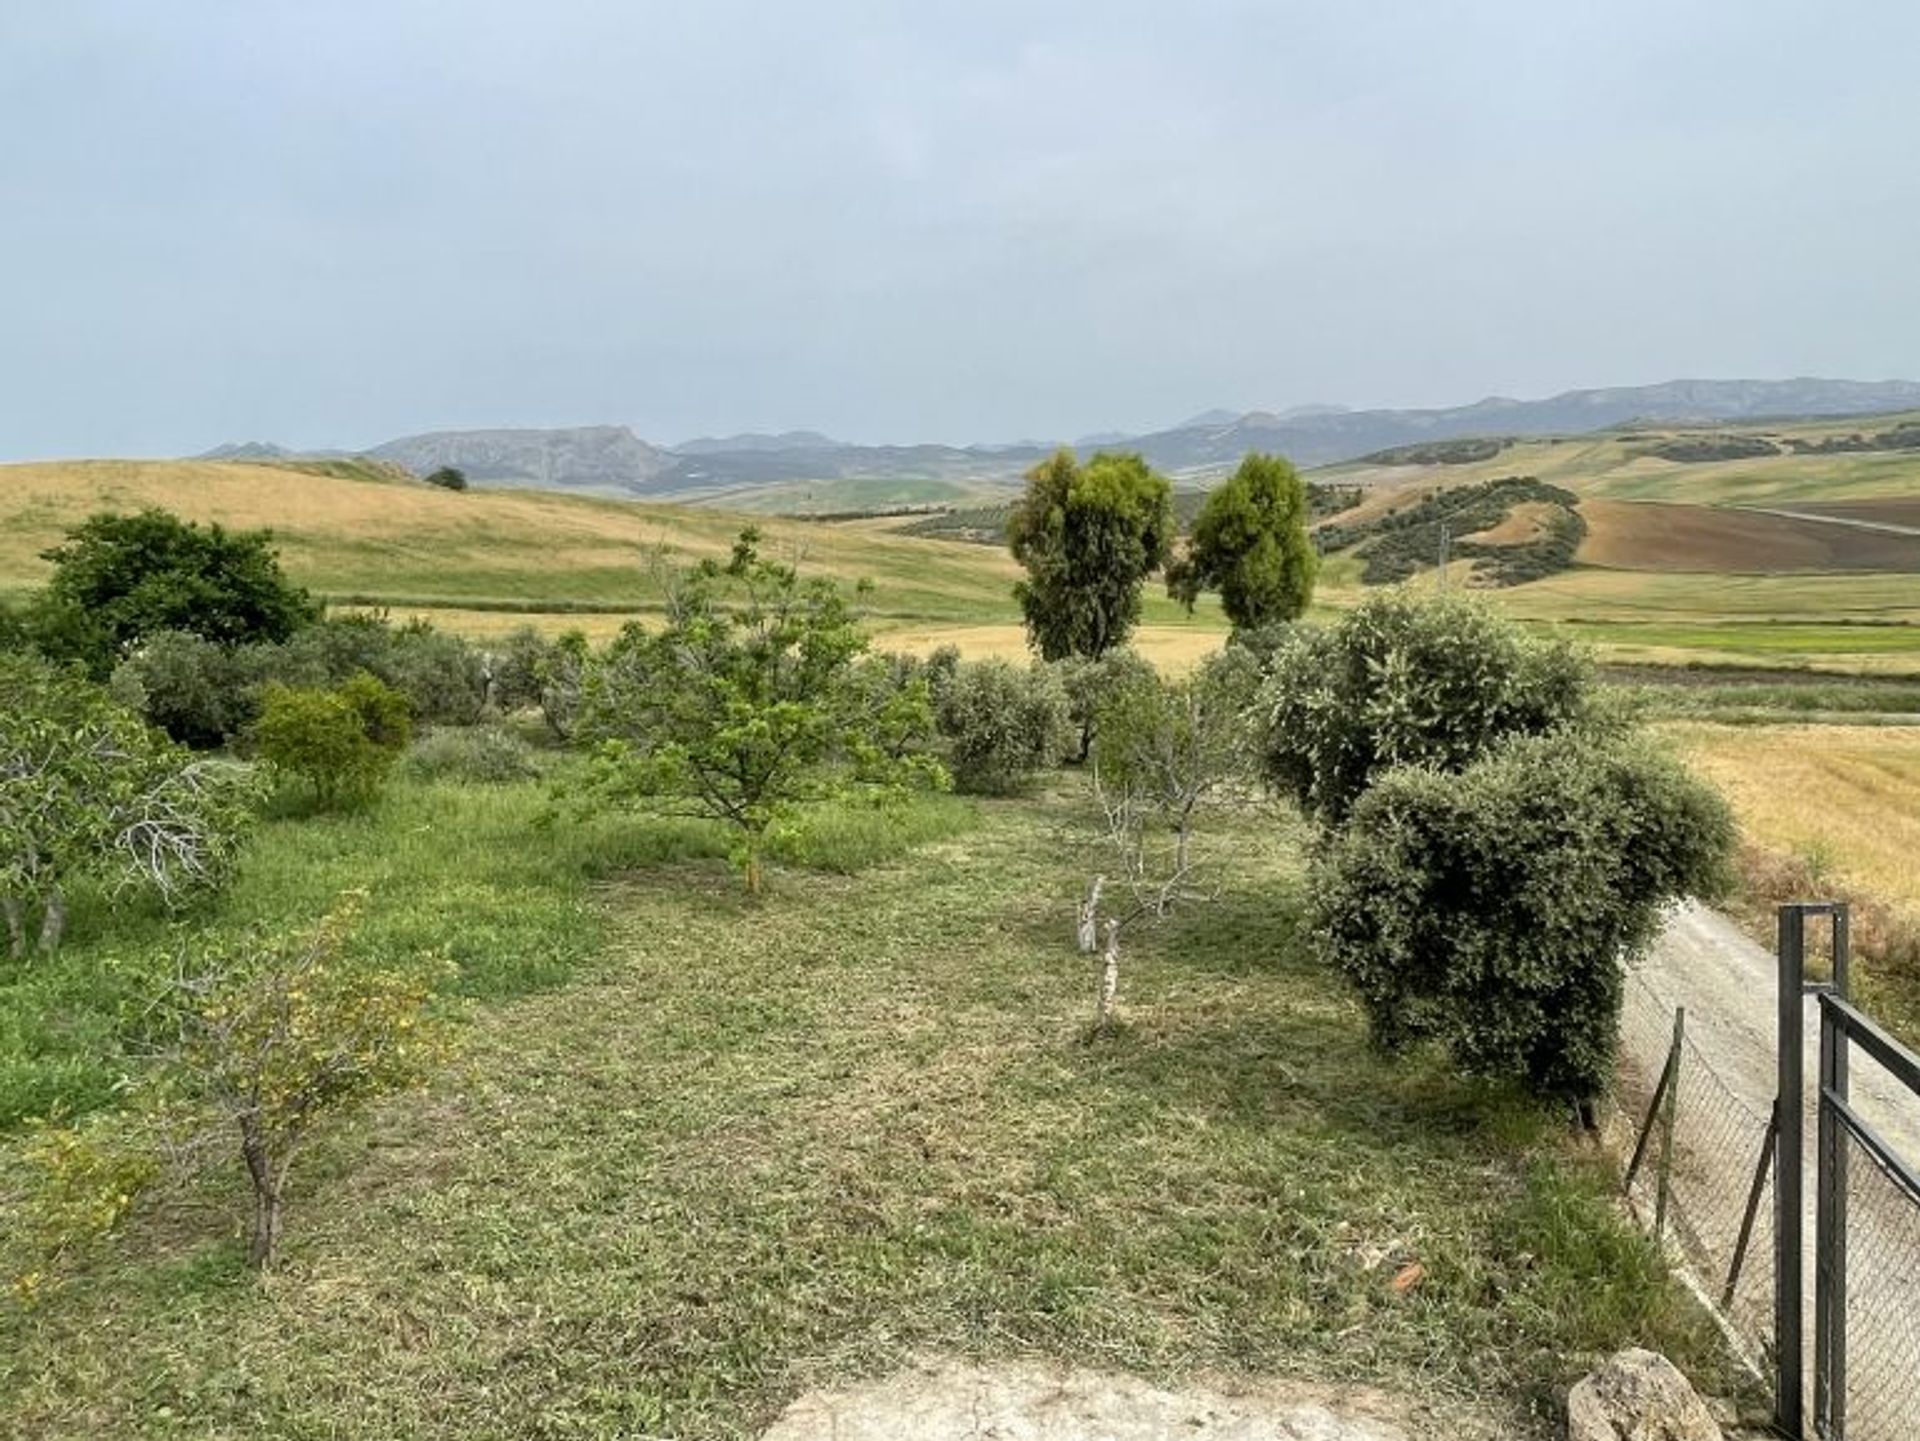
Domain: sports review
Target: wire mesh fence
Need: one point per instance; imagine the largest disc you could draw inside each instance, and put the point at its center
(1882, 1298)
(1703, 1181)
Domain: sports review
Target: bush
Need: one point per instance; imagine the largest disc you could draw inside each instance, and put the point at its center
(87, 789)
(128, 577)
(1406, 680)
(1002, 724)
(339, 744)
(281, 1033)
(443, 677)
(199, 693)
(1491, 910)
(487, 754)
(1089, 684)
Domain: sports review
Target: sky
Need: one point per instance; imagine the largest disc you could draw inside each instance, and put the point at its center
(330, 224)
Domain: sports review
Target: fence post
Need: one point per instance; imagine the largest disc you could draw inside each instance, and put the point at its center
(1663, 1188)
(1830, 1240)
(1789, 1413)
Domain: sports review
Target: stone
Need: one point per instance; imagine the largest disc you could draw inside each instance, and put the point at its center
(1024, 1401)
(1638, 1395)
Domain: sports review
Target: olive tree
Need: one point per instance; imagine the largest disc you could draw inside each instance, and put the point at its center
(1003, 724)
(88, 789)
(747, 705)
(1089, 537)
(1250, 543)
(1409, 680)
(1491, 909)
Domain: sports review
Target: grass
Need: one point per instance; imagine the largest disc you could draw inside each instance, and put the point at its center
(398, 542)
(473, 873)
(740, 1148)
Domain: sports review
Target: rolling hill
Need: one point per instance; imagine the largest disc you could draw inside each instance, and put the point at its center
(807, 470)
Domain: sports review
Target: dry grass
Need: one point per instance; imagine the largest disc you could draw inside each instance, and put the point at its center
(1848, 793)
(411, 545)
(1173, 648)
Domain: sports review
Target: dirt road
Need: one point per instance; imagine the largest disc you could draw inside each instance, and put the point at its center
(1728, 985)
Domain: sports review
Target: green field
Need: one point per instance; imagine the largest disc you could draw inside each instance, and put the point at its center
(698, 1153)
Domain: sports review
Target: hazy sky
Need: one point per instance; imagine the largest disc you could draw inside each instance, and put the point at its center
(331, 222)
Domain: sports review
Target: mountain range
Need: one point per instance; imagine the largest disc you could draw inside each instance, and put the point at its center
(612, 460)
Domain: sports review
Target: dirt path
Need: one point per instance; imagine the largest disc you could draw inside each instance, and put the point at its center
(1855, 521)
(1728, 985)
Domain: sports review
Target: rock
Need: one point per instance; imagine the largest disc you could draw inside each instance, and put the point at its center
(1638, 1396)
(1024, 1401)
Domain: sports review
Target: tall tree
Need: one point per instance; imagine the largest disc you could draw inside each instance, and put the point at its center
(1250, 543)
(1088, 536)
(132, 576)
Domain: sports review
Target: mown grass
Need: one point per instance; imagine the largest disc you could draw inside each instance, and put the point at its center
(484, 876)
(756, 1145)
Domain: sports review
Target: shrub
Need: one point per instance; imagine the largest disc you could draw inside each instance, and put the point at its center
(1003, 725)
(486, 754)
(281, 1033)
(443, 677)
(86, 788)
(518, 665)
(1089, 684)
(1491, 910)
(339, 744)
(199, 693)
(1407, 680)
(131, 576)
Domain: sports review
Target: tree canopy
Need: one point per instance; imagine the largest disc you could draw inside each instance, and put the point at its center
(1250, 543)
(120, 578)
(748, 704)
(1089, 536)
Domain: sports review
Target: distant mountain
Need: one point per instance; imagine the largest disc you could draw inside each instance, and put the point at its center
(1321, 436)
(612, 460)
(604, 458)
(755, 441)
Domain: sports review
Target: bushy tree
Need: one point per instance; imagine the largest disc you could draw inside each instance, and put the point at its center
(1250, 543)
(1089, 537)
(279, 1033)
(121, 578)
(199, 693)
(1491, 909)
(338, 744)
(746, 706)
(443, 677)
(86, 788)
(1409, 680)
(448, 477)
(1003, 725)
(1089, 684)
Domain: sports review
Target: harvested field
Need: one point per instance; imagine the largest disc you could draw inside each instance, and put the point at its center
(1652, 535)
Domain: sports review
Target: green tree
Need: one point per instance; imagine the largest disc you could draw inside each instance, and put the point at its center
(746, 706)
(121, 578)
(1403, 680)
(281, 1032)
(1089, 537)
(448, 477)
(1491, 910)
(1250, 543)
(88, 789)
(339, 744)
(1003, 724)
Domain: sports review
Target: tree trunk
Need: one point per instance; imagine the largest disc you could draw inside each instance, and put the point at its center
(16, 928)
(53, 922)
(753, 872)
(267, 1184)
(1110, 976)
(1088, 932)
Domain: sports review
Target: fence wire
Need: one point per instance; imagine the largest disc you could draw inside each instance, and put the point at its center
(1718, 1141)
(1882, 1301)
